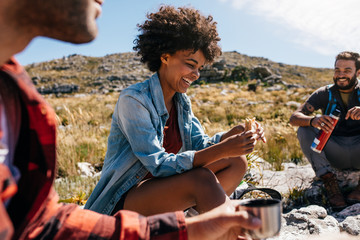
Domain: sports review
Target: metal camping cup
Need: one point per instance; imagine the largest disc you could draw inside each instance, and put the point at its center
(268, 211)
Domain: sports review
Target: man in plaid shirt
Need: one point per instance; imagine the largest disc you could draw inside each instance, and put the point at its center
(29, 207)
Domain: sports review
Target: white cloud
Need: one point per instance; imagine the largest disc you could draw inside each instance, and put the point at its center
(326, 26)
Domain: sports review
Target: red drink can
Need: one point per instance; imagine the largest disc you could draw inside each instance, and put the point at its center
(322, 137)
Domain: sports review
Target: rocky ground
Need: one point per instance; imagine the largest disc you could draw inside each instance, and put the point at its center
(113, 73)
(305, 210)
(306, 213)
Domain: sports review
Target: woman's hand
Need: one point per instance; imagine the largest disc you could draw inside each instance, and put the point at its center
(260, 132)
(233, 143)
(244, 142)
(235, 130)
(240, 144)
(223, 222)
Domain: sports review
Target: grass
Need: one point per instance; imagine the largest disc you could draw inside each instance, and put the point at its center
(84, 125)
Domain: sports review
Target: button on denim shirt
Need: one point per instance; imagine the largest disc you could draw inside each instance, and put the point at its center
(136, 139)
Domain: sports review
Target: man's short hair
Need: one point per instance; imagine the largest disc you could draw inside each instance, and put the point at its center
(346, 55)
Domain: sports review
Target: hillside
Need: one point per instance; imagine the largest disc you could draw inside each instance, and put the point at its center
(81, 74)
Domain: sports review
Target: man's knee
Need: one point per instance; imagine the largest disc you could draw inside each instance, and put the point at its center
(306, 136)
(303, 132)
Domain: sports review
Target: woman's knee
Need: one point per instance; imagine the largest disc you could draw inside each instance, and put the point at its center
(202, 178)
(241, 162)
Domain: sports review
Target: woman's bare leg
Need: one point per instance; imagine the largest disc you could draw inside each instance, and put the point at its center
(229, 172)
(197, 187)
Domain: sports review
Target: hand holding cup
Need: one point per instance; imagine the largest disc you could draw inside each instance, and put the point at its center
(268, 211)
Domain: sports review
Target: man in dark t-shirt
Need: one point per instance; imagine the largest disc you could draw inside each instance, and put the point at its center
(342, 151)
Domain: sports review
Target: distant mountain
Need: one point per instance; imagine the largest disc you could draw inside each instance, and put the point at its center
(77, 73)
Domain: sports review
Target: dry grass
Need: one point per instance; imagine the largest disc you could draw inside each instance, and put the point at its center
(85, 125)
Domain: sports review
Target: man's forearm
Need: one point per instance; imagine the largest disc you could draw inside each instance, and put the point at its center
(301, 120)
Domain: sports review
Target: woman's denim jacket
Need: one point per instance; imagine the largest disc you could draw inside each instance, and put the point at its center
(136, 139)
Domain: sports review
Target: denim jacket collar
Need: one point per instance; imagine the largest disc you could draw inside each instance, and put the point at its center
(157, 94)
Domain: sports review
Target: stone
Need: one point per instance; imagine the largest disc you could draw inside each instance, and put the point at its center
(262, 72)
(295, 176)
(351, 225)
(85, 169)
(293, 104)
(306, 222)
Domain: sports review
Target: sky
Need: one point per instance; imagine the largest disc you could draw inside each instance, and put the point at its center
(297, 32)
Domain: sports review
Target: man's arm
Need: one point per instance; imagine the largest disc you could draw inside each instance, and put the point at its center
(59, 221)
(301, 118)
(7, 190)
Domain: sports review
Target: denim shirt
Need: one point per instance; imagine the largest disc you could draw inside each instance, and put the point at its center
(135, 143)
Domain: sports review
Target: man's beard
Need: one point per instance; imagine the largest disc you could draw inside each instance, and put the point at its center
(351, 84)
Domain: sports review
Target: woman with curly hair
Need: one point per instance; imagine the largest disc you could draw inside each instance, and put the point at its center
(159, 159)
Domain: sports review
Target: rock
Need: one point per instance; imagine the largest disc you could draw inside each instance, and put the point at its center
(272, 78)
(113, 78)
(332, 236)
(262, 72)
(351, 225)
(57, 88)
(274, 88)
(220, 65)
(353, 210)
(293, 104)
(301, 223)
(306, 222)
(85, 169)
(315, 194)
(313, 211)
(347, 178)
(224, 92)
(319, 226)
(295, 176)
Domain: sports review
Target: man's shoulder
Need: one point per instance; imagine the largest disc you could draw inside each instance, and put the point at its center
(321, 91)
(326, 88)
(319, 98)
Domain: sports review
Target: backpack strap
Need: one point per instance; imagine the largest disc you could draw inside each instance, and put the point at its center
(332, 103)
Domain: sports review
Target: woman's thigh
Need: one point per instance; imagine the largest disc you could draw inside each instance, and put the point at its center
(229, 172)
(177, 192)
(236, 162)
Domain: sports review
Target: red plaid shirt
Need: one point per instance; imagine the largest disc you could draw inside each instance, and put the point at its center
(34, 211)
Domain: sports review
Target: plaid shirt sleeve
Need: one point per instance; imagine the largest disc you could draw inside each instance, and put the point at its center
(7, 190)
(60, 221)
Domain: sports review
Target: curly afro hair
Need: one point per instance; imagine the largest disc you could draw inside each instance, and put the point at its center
(170, 30)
